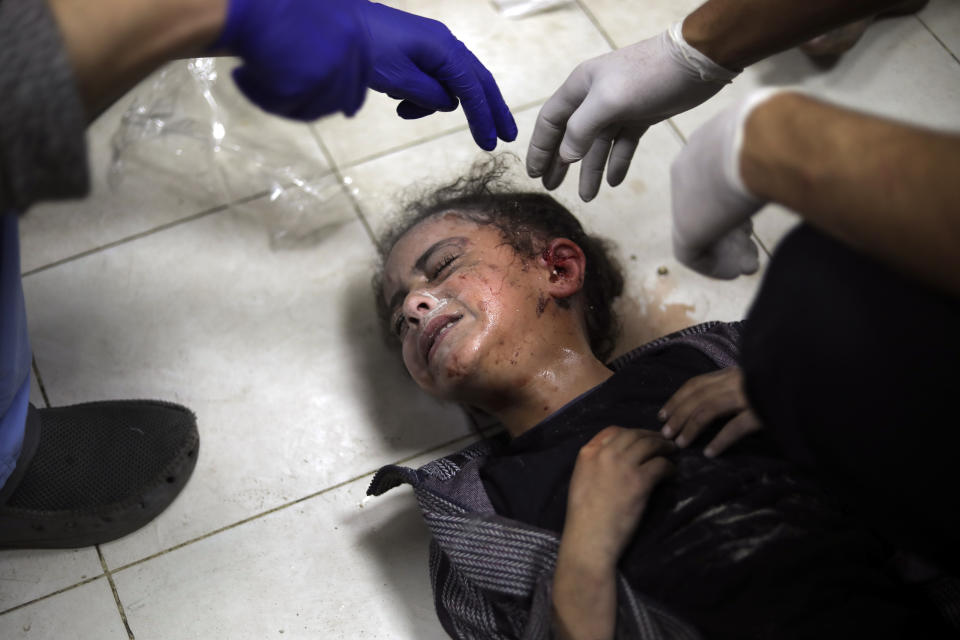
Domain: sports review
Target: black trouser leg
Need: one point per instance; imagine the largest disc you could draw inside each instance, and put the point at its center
(854, 370)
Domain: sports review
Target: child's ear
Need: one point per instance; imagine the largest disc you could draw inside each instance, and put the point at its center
(566, 265)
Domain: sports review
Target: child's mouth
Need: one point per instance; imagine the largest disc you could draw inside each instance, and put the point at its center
(434, 332)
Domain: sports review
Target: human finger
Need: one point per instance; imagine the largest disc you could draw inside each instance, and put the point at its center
(682, 397)
(618, 438)
(646, 445)
(744, 423)
(423, 89)
(556, 172)
(707, 409)
(585, 125)
(705, 401)
(409, 110)
(748, 252)
(502, 118)
(460, 79)
(591, 169)
(656, 469)
(552, 122)
(622, 154)
(733, 255)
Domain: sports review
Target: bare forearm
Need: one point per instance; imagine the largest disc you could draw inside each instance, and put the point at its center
(584, 595)
(884, 188)
(737, 33)
(112, 44)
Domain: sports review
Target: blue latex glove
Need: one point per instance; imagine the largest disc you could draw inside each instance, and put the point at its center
(418, 61)
(302, 59)
(307, 58)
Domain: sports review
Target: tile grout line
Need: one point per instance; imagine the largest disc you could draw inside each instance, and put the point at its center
(292, 503)
(51, 594)
(762, 244)
(109, 573)
(402, 147)
(43, 388)
(597, 25)
(357, 210)
(116, 596)
(143, 234)
(937, 38)
(676, 130)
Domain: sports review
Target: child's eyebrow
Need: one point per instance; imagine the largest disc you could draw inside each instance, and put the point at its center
(421, 265)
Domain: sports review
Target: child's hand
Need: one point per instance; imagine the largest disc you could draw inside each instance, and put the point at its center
(613, 478)
(702, 400)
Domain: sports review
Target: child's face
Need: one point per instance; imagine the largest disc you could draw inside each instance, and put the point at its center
(465, 306)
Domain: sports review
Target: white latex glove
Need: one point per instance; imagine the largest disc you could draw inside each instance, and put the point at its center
(711, 204)
(610, 100)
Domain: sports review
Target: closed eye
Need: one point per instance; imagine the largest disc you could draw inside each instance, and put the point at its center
(399, 325)
(444, 262)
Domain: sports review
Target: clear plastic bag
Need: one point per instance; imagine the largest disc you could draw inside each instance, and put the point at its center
(189, 121)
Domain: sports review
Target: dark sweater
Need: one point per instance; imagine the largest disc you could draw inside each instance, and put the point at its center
(743, 546)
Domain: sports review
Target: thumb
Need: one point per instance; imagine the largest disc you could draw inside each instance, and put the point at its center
(405, 81)
(411, 111)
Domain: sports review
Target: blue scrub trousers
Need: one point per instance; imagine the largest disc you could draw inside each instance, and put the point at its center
(14, 349)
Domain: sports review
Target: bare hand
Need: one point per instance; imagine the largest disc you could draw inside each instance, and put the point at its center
(703, 399)
(614, 476)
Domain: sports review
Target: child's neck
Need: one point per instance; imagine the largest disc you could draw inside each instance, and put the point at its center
(568, 376)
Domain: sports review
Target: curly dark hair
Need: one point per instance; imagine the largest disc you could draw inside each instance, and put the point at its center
(527, 220)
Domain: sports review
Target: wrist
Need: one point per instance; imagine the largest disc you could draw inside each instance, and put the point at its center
(706, 30)
(695, 60)
(587, 554)
(112, 44)
(768, 156)
(584, 596)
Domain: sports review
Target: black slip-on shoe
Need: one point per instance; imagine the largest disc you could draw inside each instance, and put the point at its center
(91, 473)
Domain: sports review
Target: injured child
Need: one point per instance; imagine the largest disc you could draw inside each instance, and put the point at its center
(582, 519)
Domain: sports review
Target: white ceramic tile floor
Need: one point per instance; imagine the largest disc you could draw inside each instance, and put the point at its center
(27, 575)
(85, 612)
(340, 565)
(139, 293)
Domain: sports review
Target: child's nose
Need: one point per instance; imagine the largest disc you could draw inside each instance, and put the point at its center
(418, 304)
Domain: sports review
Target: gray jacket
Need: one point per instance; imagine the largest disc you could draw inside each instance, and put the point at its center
(43, 151)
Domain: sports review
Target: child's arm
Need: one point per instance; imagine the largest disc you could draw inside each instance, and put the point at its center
(703, 399)
(613, 478)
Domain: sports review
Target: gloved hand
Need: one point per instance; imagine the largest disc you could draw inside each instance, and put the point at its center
(307, 58)
(711, 204)
(609, 101)
(418, 61)
(301, 59)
